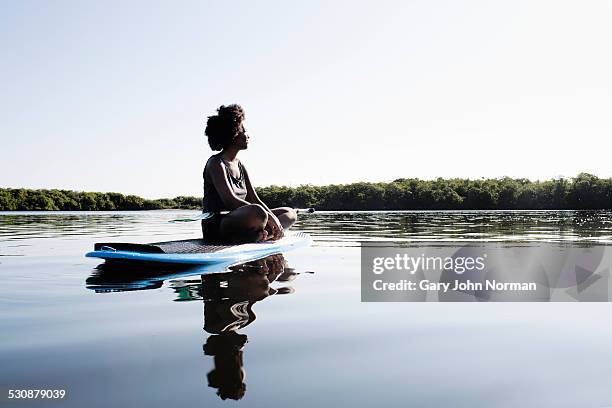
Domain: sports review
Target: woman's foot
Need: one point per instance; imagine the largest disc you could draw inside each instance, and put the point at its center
(262, 236)
(250, 236)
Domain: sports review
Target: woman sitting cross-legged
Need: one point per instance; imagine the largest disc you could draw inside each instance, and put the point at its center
(238, 214)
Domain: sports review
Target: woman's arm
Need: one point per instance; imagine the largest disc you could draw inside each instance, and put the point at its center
(218, 175)
(252, 196)
(273, 223)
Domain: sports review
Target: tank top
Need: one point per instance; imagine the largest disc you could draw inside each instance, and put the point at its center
(212, 200)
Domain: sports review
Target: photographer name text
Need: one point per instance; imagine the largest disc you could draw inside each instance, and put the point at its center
(467, 285)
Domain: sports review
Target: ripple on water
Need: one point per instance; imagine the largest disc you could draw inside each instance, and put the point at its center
(325, 227)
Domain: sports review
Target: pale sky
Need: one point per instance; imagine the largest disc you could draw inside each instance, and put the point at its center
(113, 95)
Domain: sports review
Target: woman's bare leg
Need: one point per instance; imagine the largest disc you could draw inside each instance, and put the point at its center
(248, 223)
(244, 224)
(286, 215)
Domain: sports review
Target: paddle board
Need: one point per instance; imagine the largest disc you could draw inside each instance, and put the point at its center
(196, 251)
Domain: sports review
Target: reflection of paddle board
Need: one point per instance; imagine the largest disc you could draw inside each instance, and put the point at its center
(196, 251)
(127, 276)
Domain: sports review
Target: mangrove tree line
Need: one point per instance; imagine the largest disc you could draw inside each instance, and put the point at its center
(584, 191)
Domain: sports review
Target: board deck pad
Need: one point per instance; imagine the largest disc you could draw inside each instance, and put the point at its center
(186, 246)
(195, 251)
(189, 246)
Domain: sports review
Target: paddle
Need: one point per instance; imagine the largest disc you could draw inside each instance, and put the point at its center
(207, 215)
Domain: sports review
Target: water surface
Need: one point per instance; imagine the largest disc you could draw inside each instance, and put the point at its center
(288, 329)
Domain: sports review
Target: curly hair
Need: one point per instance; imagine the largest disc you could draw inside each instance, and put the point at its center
(223, 128)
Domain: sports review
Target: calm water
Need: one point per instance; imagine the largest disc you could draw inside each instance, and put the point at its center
(128, 337)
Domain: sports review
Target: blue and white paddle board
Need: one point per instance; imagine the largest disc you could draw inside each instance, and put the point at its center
(195, 251)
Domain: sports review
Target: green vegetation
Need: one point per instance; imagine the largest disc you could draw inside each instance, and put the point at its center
(582, 192)
(66, 200)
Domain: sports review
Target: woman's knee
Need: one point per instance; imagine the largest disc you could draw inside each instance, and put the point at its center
(286, 215)
(284, 211)
(257, 212)
(292, 215)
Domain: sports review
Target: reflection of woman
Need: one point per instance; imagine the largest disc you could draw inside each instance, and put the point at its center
(229, 297)
(228, 374)
(238, 214)
(228, 300)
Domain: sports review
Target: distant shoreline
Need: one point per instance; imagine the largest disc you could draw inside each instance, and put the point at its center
(583, 192)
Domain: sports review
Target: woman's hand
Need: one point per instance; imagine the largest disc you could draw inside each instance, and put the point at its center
(274, 227)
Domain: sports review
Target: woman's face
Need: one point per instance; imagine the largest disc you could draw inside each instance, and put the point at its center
(242, 140)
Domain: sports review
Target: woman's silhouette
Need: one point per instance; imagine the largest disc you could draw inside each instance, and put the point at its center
(236, 213)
